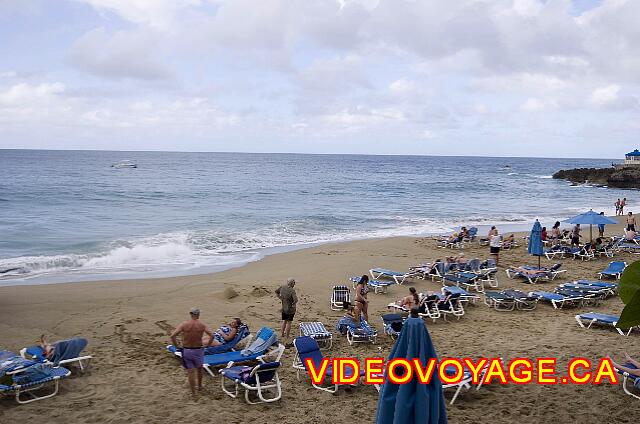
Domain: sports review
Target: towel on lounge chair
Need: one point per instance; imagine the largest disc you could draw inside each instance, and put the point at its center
(21, 377)
(10, 362)
(393, 324)
(67, 349)
(265, 337)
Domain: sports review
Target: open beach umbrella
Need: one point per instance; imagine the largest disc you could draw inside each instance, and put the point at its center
(535, 241)
(592, 218)
(412, 403)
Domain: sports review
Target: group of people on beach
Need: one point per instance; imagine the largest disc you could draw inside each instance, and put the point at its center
(197, 336)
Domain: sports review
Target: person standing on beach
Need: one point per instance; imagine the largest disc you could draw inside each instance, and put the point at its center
(575, 236)
(601, 227)
(617, 205)
(287, 295)
(495, 243)
(362, 288)
(192, 349)
(631, 222)
(623, 203)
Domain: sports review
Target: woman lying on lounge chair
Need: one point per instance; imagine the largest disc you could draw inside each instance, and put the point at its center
(632, 371)
(223, 334)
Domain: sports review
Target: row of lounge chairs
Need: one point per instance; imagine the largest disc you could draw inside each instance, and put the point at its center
(307, 349)
(577, 293)
(585, 253)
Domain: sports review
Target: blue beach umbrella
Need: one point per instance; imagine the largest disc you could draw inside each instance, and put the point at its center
(412, 403)
(592, 218)
(535, 241)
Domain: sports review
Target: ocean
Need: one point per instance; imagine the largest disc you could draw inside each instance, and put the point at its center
(70, 216)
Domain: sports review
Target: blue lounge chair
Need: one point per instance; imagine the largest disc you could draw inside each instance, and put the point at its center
(600, 292)
(455, 243)
(398, 277)
(392, 324)
(428, 307)
(318, 332)
(557, 251)
(362, 333)
(473, 232)
(591, 318)
(499, 301)
(524, 302)
(258, 379)
(307, 348)
(450, 304)
(535, 274)
(28, 378)
(378, 286)
(65, 352)
(627, 378)
(464, 383)
(614, 269)
(468, 280)
(603, 284)
(339, 296)
(557, 300)
(465, 296)
(241, 334)
(265, 338)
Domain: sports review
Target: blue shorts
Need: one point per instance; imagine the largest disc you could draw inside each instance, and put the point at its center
(192, 358)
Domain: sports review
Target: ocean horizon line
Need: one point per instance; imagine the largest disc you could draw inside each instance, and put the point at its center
(310, 154)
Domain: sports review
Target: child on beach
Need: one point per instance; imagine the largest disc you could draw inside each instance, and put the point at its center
(495, 243)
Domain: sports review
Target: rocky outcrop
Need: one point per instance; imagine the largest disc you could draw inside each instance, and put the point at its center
(612, 177)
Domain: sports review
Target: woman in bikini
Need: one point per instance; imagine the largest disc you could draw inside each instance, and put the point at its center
(411, 301)
(362, 303)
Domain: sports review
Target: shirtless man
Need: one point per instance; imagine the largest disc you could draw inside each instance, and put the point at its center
(631, 222)
(192, 349)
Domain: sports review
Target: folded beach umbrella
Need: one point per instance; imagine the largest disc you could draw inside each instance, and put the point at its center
(412, 403)
(592, 218)
(535, 241)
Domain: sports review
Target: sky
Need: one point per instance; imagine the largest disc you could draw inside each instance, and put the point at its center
(544, 78)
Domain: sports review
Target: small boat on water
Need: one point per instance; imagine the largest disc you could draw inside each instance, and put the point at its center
(124, 164)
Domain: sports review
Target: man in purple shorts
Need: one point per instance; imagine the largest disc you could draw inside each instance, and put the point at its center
(192, 350)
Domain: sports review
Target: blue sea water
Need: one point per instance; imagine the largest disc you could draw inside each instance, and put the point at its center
(69, 216)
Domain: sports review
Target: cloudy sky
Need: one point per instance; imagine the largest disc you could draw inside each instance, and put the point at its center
(554, 78)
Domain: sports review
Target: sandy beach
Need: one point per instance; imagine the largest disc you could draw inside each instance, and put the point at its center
(133, 379)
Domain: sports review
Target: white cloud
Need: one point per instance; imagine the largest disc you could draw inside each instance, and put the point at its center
(605, 95)
(350, 70)
(23, 94)
(120, 55)
(533, 105)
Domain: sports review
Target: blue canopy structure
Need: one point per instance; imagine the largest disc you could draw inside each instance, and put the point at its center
(413, 402)
(591, 218)
(535, 247)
